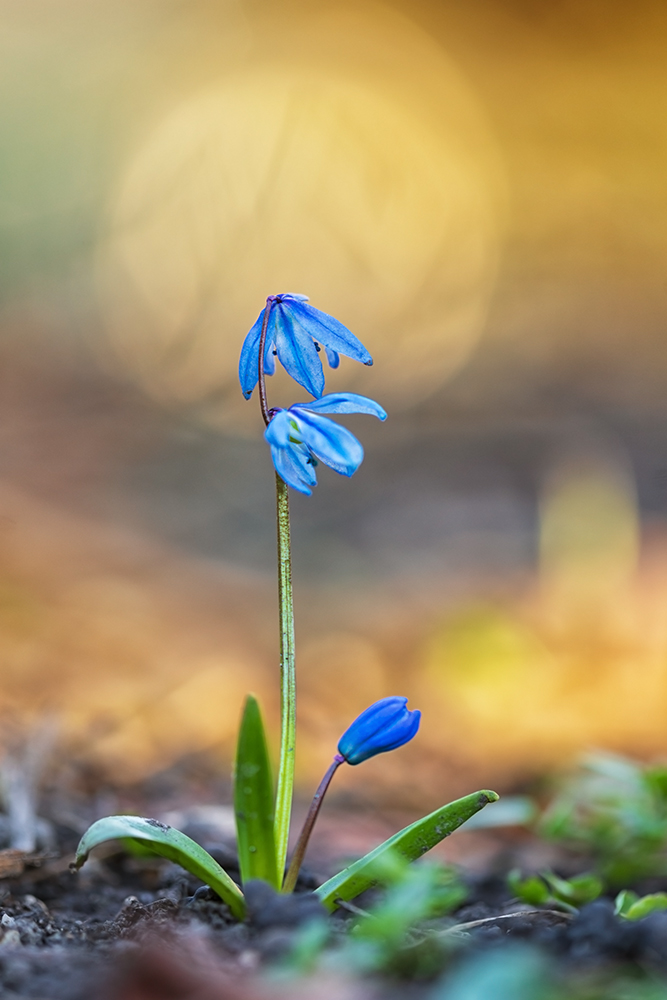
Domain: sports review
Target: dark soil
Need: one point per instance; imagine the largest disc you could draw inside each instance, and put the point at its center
(130, 928)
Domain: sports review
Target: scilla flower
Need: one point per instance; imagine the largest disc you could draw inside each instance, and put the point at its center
(386, 725)
(294, 334)
(300, 436)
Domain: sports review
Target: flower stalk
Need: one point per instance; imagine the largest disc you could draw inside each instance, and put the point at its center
(260, 362)
(285, 787)
(298, 438)
(309, 823)
(287, 677)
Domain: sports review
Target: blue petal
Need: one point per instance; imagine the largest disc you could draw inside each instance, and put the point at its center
(281, 432)
(332, 357)
(269, 354)
(332, 444)
(344, 402)
(293, 466)
(292, 295)
(296, 350)
(401, 731)
(249, 360)
(328, 331)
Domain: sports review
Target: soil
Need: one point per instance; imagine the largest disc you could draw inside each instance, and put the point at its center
(129, 928)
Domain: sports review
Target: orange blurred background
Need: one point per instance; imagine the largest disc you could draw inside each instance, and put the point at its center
(478, 191)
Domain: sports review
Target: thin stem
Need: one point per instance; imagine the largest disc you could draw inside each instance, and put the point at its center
(287, 678)
(304, 836)
(285, 788)
(262, 342)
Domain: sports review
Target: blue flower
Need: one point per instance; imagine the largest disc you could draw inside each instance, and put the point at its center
(386, 725)
(294, 333)
(299, 437)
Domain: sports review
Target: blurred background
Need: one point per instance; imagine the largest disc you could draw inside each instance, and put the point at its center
(478, 191)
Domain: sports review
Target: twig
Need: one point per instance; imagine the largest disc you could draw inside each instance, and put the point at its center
(21, 772)
(468, 925)
(351, 908)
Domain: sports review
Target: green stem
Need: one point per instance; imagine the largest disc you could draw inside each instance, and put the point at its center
(287, 678)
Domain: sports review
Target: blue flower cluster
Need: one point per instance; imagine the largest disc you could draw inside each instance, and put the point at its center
(294, 334)
(300, 436)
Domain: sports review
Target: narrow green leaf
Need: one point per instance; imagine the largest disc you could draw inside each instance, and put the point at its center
(253, 800)
(169, 843)
(410, 843)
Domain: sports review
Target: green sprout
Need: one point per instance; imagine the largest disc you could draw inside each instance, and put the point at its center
(547, 889)
(299, 438)
(631, 906)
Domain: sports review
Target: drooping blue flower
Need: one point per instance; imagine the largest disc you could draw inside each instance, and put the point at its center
(386, 725)
(294, 334)
(300, 437)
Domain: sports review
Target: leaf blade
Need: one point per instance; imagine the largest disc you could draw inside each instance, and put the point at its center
(410, 843)
(645, 905)
(169, 843)
(253, 800)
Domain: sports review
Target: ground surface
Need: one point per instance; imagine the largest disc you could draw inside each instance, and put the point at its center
(128, 928)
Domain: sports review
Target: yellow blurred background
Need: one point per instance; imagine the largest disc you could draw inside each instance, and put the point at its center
(478, 191)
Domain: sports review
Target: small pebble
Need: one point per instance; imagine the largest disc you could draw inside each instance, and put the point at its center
(10, 939)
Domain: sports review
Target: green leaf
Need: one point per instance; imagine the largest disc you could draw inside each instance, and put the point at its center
(253, 800)
(168, 843)
(656, 780)
(410, 843)
(625, 899)
(531, 889)
(585, 887)
(576, 891)
(647, 904)
(137, 849)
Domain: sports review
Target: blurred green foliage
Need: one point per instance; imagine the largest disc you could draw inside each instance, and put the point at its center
(634, 907)
(547, 889)
(519, 972)
(615, 811)
(515, 973)
(397, 935)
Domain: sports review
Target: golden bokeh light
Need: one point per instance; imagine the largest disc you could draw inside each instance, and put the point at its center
(294, 173)
(589, 535)
(165, 166)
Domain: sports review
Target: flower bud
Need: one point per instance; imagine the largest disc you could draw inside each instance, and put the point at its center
(386, 725)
